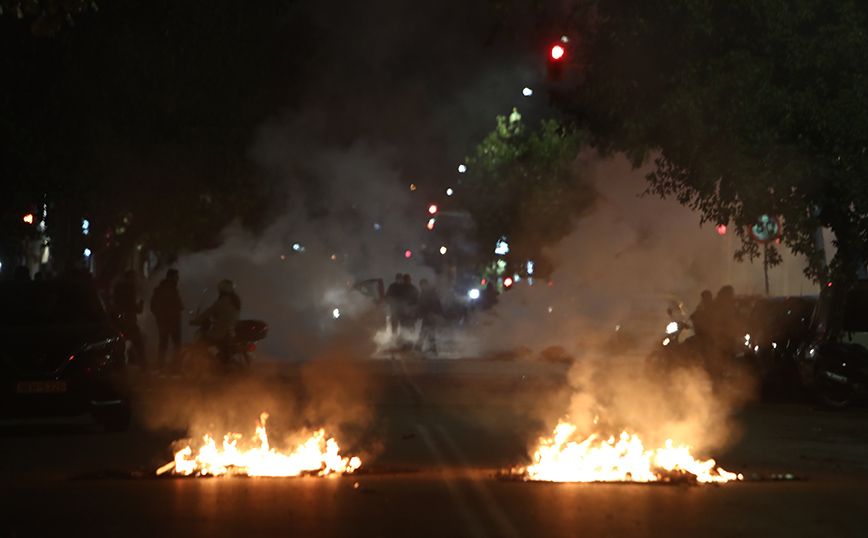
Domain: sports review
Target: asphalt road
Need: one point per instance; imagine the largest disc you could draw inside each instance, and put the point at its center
(434, 437)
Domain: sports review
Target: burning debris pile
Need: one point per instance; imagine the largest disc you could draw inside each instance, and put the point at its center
(563, 459)
(316, 456)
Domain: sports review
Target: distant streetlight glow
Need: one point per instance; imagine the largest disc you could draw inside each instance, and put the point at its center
(442, 250)
(432, 208)
(449, 192)
(85, 227)
(462, 168)
(507, 282)
(431, 223)
(87, 253)
(473, 294)
(502, 246)
(28, 218)
(527, 92)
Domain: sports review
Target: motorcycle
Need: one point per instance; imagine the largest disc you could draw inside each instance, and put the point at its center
(203, 356)
(676, 349)
(680, 350)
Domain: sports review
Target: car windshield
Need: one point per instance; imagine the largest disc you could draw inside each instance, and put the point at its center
(49, 303)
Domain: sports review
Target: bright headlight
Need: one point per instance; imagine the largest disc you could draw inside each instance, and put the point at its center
(672, 327)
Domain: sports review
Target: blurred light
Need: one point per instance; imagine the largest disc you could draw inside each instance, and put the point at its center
(473, 294)
(85, 227)
(87, 253)
(449, 192)
(412, 187)
(672, 327)
(432, 208)
(407, 254)
(334, 256)
(502, 246)
(557, 52)
(298, 248)
(282, 256)
(721, 229)
(430, 224)
(377, 226)
(529, 267)
(550, 310)
(336, 313)
(462, 168)
(442, 250)
(507, 282)
(483, 282)
(527, 92)
(28, 218)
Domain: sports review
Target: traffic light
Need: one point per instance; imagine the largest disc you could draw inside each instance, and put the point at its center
(557, 63)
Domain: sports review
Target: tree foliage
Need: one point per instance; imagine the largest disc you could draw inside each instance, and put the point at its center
(748, 107)
(140, 121)
(525, 185)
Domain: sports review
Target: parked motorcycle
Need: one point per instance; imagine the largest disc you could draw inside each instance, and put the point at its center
(202, 356)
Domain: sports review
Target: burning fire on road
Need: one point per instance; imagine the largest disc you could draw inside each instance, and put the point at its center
(317, 456)
(566, 457)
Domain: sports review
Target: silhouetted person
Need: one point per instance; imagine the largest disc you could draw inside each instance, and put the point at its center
(220, 319)
(409, 297)
(429, 310)
(727, 328)
(703, 318)
(393, 300)
(166, 305)
(488, 296)
(127, 307)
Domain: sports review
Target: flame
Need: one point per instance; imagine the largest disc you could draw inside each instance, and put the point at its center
(558, 459)
(316, 455)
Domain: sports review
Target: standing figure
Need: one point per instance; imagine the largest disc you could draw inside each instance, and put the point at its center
(409, 297)
(166, 305)
(430, 309)
(393, 300)
(127, 307)
(220, 319)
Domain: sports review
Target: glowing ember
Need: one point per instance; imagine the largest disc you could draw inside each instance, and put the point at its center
(317, 455)
(558, 459)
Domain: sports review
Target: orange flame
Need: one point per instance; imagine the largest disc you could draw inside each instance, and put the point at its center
(316, 455)
(558, 459)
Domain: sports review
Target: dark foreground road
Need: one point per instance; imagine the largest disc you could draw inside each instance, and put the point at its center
(433, 436)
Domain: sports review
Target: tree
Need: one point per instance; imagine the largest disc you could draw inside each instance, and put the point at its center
(140, 122)
(46, 17)
(747, 107)
(526, 187)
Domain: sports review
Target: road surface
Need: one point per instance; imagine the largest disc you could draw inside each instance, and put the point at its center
(435, 437)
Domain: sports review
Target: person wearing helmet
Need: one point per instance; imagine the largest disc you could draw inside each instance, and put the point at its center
(220, 318)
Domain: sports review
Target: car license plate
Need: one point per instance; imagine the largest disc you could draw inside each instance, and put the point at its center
(41, 387)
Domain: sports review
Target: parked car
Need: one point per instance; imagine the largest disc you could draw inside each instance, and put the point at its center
(60, 355)
(833, 362)
(776, 327)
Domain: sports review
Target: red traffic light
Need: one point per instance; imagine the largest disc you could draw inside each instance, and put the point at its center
(556, 68)
(557, 52)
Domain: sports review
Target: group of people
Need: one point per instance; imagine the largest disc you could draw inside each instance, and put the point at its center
(718, 325)
(408, 304)
(166, 305)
